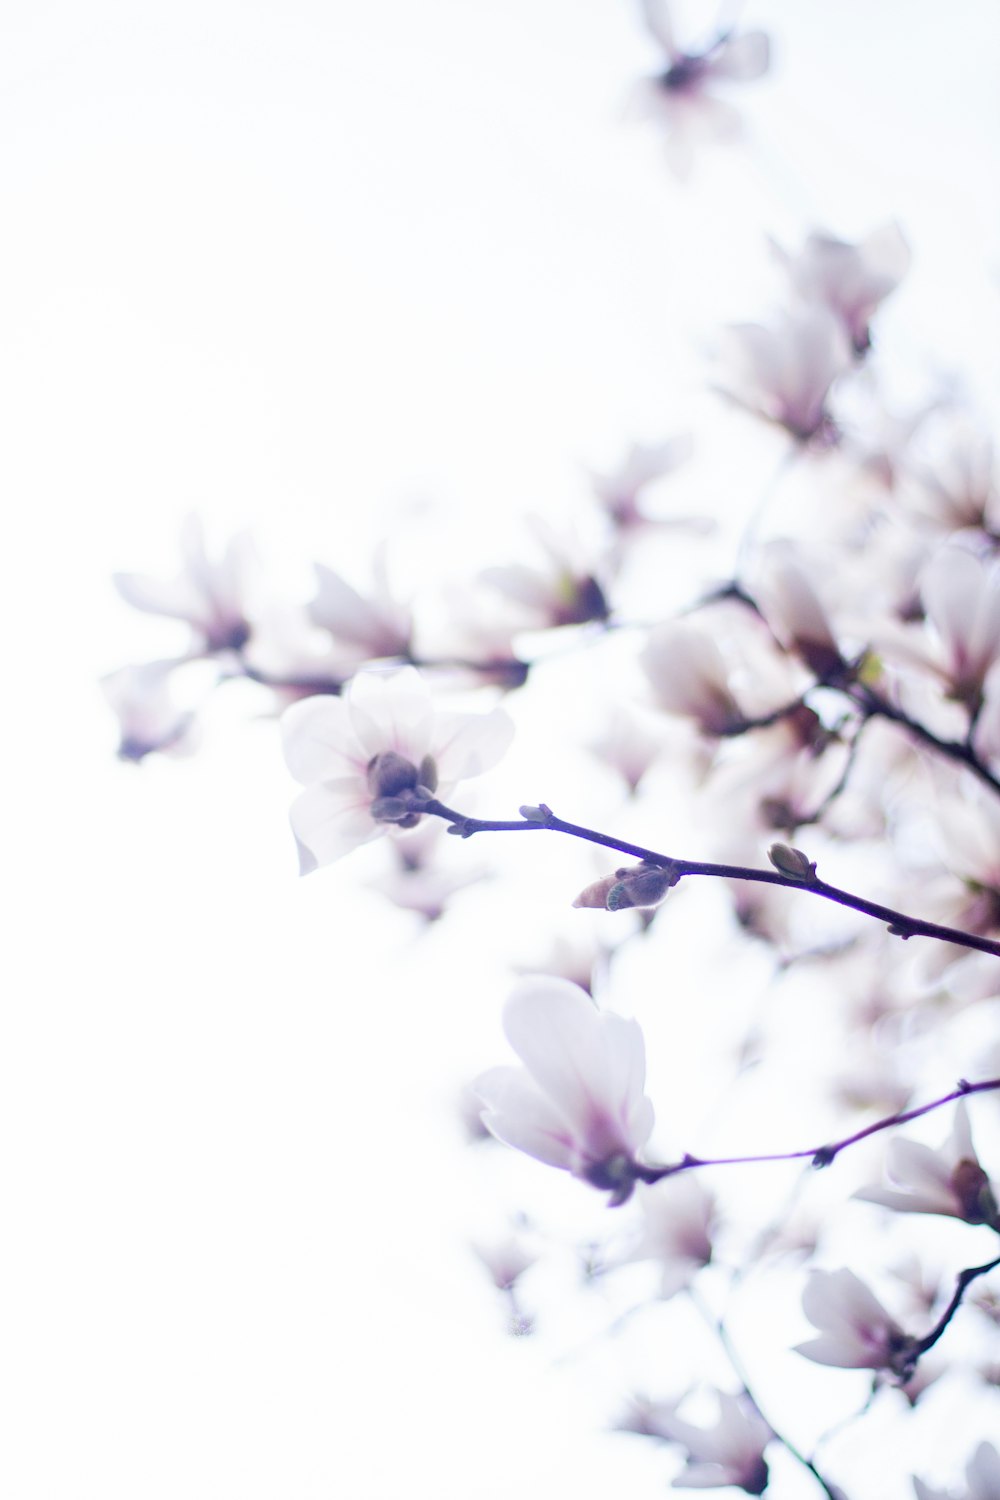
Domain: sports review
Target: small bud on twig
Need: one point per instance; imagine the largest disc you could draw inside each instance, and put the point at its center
(636, 886)
(792, 862)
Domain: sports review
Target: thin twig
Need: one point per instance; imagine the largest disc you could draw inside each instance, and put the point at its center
(542, 817)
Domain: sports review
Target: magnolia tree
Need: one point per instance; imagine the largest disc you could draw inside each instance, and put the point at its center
(791, 718)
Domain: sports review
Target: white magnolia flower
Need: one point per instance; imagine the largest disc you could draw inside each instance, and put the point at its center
(851, 280)
(729, 1453)
(952, 480)
(791, 604)
(682, 99)
(856, 1332)
(961, 599)
(210, 596)
(564, 590)
(366, 759)
(784, 370)
(578, 1101)
(366, 626)
(961, 595)
(948, 1181)
(148, 718)
(506, 1259)
(679, 1220)
(689, 676)
(619, 492)
(982, 1477)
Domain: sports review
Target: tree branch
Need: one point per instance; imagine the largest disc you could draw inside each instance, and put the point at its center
(542, 817)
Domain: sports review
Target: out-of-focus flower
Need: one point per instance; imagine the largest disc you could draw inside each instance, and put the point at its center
(681, 97)
(291, 655)
(620, 491)
(689, 676)
(729, 1453)
(210, 596)
(420, 880)
(679, 1215)
(947, 1181)
(629, 744)
(792, 607)
(961, 598)
(578, 1101)
(784, 370)
(856, 1332)
(565, 591)
(368, 758)
(851, 280)
(952, 479)
(982, 1478)
(148, 718)
(505, 1259)
(366, 626)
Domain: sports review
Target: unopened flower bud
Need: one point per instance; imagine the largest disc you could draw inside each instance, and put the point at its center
(389, 774)
(532, 814)
(394, 810)
(792, 862)
(597, 894)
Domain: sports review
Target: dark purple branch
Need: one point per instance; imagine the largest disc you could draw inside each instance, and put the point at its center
(964, 1278)
(874, 705)
(542, 817)
(820, 1156)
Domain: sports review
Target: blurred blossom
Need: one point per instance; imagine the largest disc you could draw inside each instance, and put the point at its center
(851, 280)
(679, 1216)
(564, 591)
(506, 1259)
(620, 491)
(961, 599)
(148, 718)
(947, 1181)
(209, 596)
(366, 626)
(784, 370)
(422, 879)
(856, 1332)
(982, 1479)
(729, 1453)
(294, 657)
(952, 481)
(790, 602)
(582, 958)
(629, 744)
(689, 677)
(682, 98)
(578, 1101)
(368, 758)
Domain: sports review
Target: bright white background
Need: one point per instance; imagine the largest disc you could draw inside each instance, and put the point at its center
(304, 267)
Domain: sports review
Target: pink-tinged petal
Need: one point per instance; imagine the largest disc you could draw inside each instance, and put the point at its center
(743, 57)
(330, 819)
(392, 711)
(588, 1064)
(173, 597)
(466, 745)
(950, 588)
(319, 742)
(658, 19)
(831, 1350)
(918, 1167)
(517, 1113)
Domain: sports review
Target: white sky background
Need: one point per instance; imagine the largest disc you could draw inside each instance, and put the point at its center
(304, 268)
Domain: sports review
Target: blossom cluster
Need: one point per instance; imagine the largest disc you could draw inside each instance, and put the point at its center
(826, 690)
